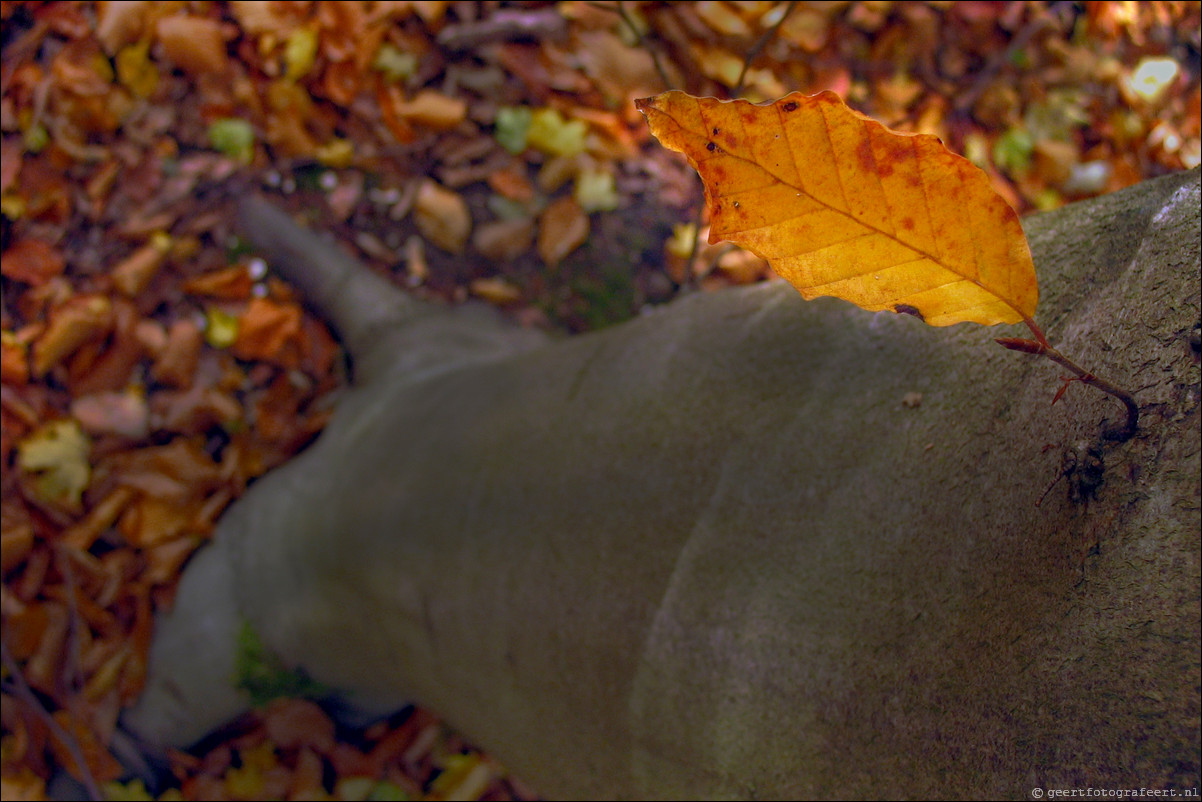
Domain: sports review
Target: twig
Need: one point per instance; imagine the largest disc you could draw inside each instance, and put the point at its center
(620, 9)
(21, 689)
(988, 74)
(1041, 347)
(760, 44)
(504, 26)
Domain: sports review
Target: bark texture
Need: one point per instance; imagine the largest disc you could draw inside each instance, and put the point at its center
(720, 551)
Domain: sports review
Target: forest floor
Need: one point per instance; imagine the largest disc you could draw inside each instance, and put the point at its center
(152, 367)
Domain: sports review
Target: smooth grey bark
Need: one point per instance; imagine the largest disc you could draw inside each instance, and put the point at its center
(713, 553)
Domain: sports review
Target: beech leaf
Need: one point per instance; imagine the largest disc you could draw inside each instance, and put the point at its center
(840, 205)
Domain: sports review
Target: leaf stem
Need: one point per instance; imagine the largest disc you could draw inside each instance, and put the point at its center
(1041, 347)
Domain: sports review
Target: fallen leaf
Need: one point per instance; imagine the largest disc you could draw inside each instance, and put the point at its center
(595, 191)
(107, 366)
(741, 267)
(100, 517)
(562, 228)
(79, 320)
(464, 777)
(22, 785)
(178, 471)
(16, 535)
(230, 283)
(164, 560)
(32, 261)
(504, 240)
(194, 44)
(175, 364)
(14, 360)
(294, 723)
(194, 410)
(124, 413)
(221, 328)
(550, 133)
(433, 110)
(150, 521)
(265, 329)
(307, 778)
(496, 291)
(56, 454)
(513, 127)
(442, 217)
(234, 138)
(722, 18)
(511, 183)
(839, 205)
(119, 24)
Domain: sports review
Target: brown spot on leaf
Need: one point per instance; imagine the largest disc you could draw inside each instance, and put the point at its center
(711, 147)
(790, 106)
(864, 156)
(906, 309)
(907, 223)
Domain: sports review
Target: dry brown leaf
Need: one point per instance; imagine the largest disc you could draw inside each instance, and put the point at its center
(194, 44)
(14, 360)
(496, 291)
(512, 183)
(442, 217)
(149, 521)
(230, 283)
(121, 413)
(16, 535)
(135, 272)
(193, 411)
(433, 110)
(12, 151)
(256, 17)
(742, 267)
(562, 228)
(504, 240)
(265, 329)
(98, 367)
(307, 777)
(164, 560)
(121, 23)
(23, 785)
(32, 261)
(99, 518)
(79, 320)
(175, 365)
(294, 723)
(179, 471)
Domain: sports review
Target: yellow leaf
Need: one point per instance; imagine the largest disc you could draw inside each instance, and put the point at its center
(442, 216)
(555, 136)
(57, 453)
(840, 205)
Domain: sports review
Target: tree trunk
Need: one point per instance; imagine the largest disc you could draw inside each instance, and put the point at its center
(726, 550)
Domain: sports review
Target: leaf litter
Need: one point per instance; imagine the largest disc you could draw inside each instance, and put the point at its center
(151, 371)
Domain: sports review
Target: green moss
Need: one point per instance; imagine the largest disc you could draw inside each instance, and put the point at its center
(265, 677)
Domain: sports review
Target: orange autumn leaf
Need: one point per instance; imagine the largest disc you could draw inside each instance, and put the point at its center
(32, 261)
(840, 205)
(267, 326)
